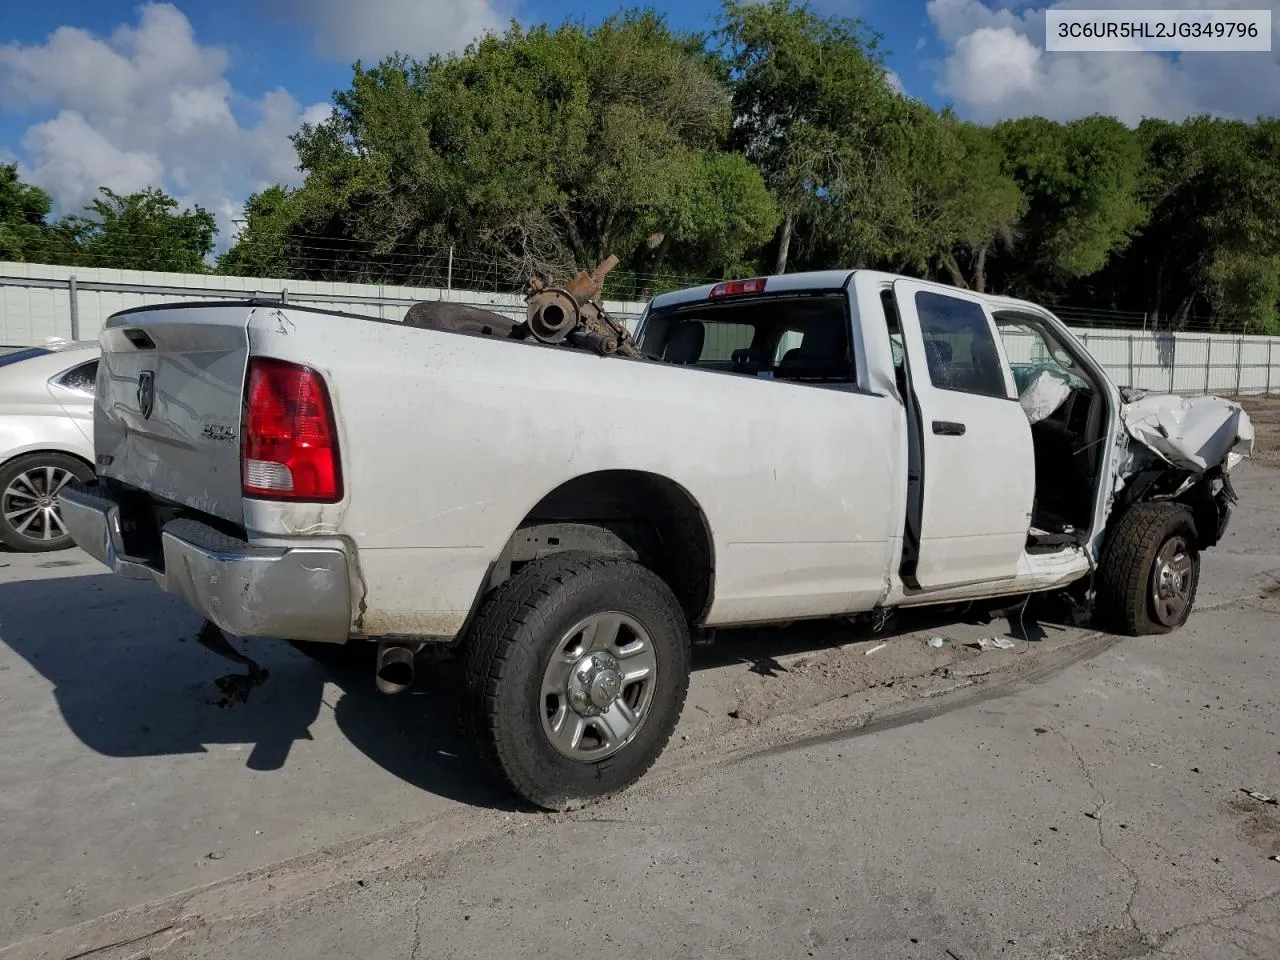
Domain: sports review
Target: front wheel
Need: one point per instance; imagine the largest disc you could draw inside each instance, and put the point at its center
(1150, 570)
(577, 671)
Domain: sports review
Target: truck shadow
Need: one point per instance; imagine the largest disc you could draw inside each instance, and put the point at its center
(130, 682)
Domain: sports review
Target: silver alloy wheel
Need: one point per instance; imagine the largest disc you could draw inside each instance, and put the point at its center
(30, 503)
(1171, 582)
(597, 687)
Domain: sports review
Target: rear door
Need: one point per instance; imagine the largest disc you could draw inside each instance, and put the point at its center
(976, 484)
(170, 389)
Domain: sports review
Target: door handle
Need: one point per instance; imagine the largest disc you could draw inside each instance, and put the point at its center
(945, 428)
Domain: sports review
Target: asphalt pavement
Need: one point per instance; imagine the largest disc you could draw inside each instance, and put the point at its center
(1078, 796)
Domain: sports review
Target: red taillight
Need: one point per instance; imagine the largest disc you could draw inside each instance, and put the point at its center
(289, 450)
(738, 288)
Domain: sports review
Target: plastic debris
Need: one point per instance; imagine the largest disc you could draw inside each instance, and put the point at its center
(994, 643)
(939, 642)
(875, 650)
(1261, 797)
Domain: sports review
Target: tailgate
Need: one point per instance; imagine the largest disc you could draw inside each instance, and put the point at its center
(169, 396)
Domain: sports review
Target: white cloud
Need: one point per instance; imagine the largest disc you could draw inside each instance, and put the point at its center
(996, 67)
(147, 106)
(372, 29)
(895, 82)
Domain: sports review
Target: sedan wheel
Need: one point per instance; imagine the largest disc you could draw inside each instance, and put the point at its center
(30, 519)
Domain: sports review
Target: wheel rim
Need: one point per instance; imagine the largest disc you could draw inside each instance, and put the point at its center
(1172, 582)
(597, 687)
(29, 503)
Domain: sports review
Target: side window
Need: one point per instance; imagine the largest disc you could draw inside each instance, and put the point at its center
(82, 378)
(724, 339)
(960, 347)
(1030, 351)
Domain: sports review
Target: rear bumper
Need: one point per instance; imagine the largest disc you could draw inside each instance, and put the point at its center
(294, 593)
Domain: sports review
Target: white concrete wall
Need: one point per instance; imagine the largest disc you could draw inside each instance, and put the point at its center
(35, 303)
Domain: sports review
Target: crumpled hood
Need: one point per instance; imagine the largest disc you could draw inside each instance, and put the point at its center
(1195, 433)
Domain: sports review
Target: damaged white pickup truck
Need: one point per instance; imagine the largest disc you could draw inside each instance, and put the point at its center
(569, 509)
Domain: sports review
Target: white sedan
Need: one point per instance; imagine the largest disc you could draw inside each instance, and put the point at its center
(46, 438)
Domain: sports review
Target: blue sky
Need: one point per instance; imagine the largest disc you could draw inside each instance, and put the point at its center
(200, 96)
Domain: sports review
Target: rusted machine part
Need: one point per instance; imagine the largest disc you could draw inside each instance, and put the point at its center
(587, 286)
(549, 310)
(552, 315)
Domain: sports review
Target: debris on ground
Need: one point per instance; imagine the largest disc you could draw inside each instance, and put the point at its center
(1260, 797)
(993, 643)
(939, 642)
(875, 649)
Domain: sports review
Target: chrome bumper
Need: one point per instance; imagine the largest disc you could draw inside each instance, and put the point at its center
(293, 593)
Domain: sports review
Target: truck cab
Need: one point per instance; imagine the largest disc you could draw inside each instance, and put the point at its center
(991, 503)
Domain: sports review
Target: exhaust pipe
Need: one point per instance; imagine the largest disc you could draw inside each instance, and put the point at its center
(394, 672)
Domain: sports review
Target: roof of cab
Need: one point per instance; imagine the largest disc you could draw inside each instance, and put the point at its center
(777, 283)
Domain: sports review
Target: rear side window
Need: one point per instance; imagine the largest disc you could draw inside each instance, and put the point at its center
(803, 338)
(960, 346)
(83, 377)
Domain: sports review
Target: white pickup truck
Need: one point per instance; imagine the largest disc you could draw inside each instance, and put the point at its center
(806, 446)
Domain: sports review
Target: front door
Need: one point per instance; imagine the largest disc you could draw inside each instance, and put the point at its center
(976, 470)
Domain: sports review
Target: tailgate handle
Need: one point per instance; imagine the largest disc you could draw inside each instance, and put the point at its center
(945, 428)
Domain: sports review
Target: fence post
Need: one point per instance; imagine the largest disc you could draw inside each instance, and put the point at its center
(449, 281)
(1131, 377)
(1270, 346)
(1173, 357)
(1239, 362)
(1208, 363)
(73, 295)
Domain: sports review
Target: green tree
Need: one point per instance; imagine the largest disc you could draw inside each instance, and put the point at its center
(140, 231)
(262, 248)
(1214, 238)
(959, 207)
(1081, 183)
(534, 152)
(815, 113)
(24, 210)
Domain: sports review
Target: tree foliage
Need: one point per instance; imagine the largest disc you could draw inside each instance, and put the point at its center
(23, 213)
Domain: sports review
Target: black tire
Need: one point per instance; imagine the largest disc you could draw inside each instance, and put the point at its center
(511, 644)
(16, 491)
(1129, 599)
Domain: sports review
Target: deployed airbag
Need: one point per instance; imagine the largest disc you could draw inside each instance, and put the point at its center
(1196, 433)
(1044, 395)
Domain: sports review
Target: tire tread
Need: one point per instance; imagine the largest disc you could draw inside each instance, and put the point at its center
(1124, 574)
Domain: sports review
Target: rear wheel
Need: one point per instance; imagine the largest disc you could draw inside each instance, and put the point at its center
(1150, 570)
(30, 520)
(577, 672)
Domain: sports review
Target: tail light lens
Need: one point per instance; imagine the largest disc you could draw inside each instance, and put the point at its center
(739, 288)
(289, 449)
